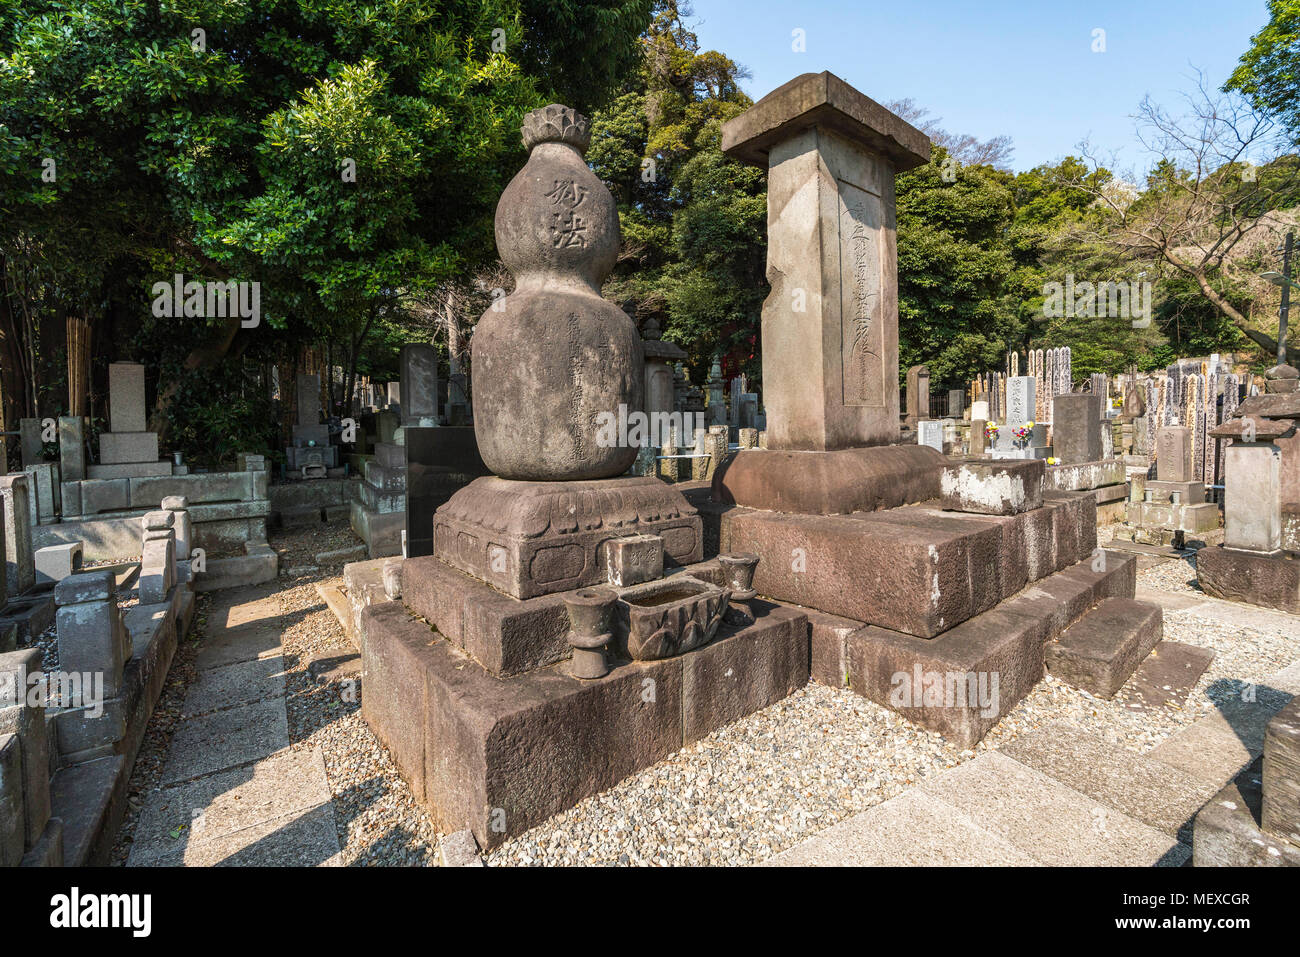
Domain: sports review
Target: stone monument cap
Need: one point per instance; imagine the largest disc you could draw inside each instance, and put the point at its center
(823, 99)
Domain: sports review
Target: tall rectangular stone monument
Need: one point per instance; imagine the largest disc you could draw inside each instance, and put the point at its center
(419, 385)
(127, 450)
(1076, 428)
(830, 324)
(1174, 454)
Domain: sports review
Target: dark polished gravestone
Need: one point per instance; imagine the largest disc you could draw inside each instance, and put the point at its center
(439, 462)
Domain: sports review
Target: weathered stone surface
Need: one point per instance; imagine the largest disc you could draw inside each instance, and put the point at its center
(502, 756)
(1100, 651)
(126, 404)
(26, 720)
(1174, 454)
(72, 450)
(959, 684)
(1076, 427)
(557, 231)
(459, 850)
(92, 639)
(740, 673)
(1253, 428)
(419, 384)
(534, 538)
(1084, 475)
(225, 739)
(1005, 487)
(828, 636)
(1279, 406)
(1280, 814)
(20, 569)
(12, 833)
(1252, 503)
(48, 850)
(830, 364)
(98, 585)
(634, 560)
(505, 635)
(1227, 832)
(1167, 677)
(1185, 493)
(1271, 581)
(830, 483)
(1156, 794)
(120, 448)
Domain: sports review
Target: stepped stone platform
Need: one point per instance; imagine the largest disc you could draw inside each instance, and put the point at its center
(501, 755)
(962, 682)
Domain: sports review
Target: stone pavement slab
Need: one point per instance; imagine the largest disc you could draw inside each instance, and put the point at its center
(242, 644)
(212, 807)
(230, 685)
(244, 606)
(1213, 754)
(912, 829)
(226, 739)
(1157, 794)
(301, 839)
(1166, 677)
(1042, 817)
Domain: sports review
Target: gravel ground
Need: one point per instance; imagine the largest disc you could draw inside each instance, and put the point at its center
(744, 793)
(378, 821)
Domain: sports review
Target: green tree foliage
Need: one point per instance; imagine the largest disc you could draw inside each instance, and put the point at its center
(1269, 72)
(693, 220)
(336, 152)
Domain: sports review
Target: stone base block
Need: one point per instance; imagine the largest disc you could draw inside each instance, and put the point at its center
(122, 448)
(382, 500)
(128, 470)
(502, 756)
(989, 488)
(386, 478)
(916, 570)
(1099, 652)
(48, 851)
(963, 682)
(1188, 493)
(1226, 831)
(1291, 528)
(538, 538)
(1272, 581)
(381, 531)
(830, 483)
(1281, 799)
(1202, 517)
(30, 615)
(56, 562)
(1084, 475)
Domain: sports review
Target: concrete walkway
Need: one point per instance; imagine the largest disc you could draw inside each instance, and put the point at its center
(233, 791)
(1062, 796)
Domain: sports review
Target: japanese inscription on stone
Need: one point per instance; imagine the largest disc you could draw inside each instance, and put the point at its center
(862, 344)
(568, 228)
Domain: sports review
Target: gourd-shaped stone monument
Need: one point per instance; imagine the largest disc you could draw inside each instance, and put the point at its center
(553, 362)
(553, 354)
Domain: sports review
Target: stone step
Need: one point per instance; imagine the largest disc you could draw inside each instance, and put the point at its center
(1155, 793)
(998, 655)
(1099, 651)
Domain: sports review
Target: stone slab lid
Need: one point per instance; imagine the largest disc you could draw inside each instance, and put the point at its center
(823, 99)
(1266, 430)
(1282, 405)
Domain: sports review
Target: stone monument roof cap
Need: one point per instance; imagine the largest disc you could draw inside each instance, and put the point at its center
(823, 99)
(1265, 430)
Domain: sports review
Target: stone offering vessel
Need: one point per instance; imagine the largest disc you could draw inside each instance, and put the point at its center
(553, 354)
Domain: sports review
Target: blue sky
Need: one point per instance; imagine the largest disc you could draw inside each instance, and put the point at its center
(1026, 68)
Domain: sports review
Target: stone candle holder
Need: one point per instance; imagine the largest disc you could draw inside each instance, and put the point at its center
(590, 612)
(739, 569)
